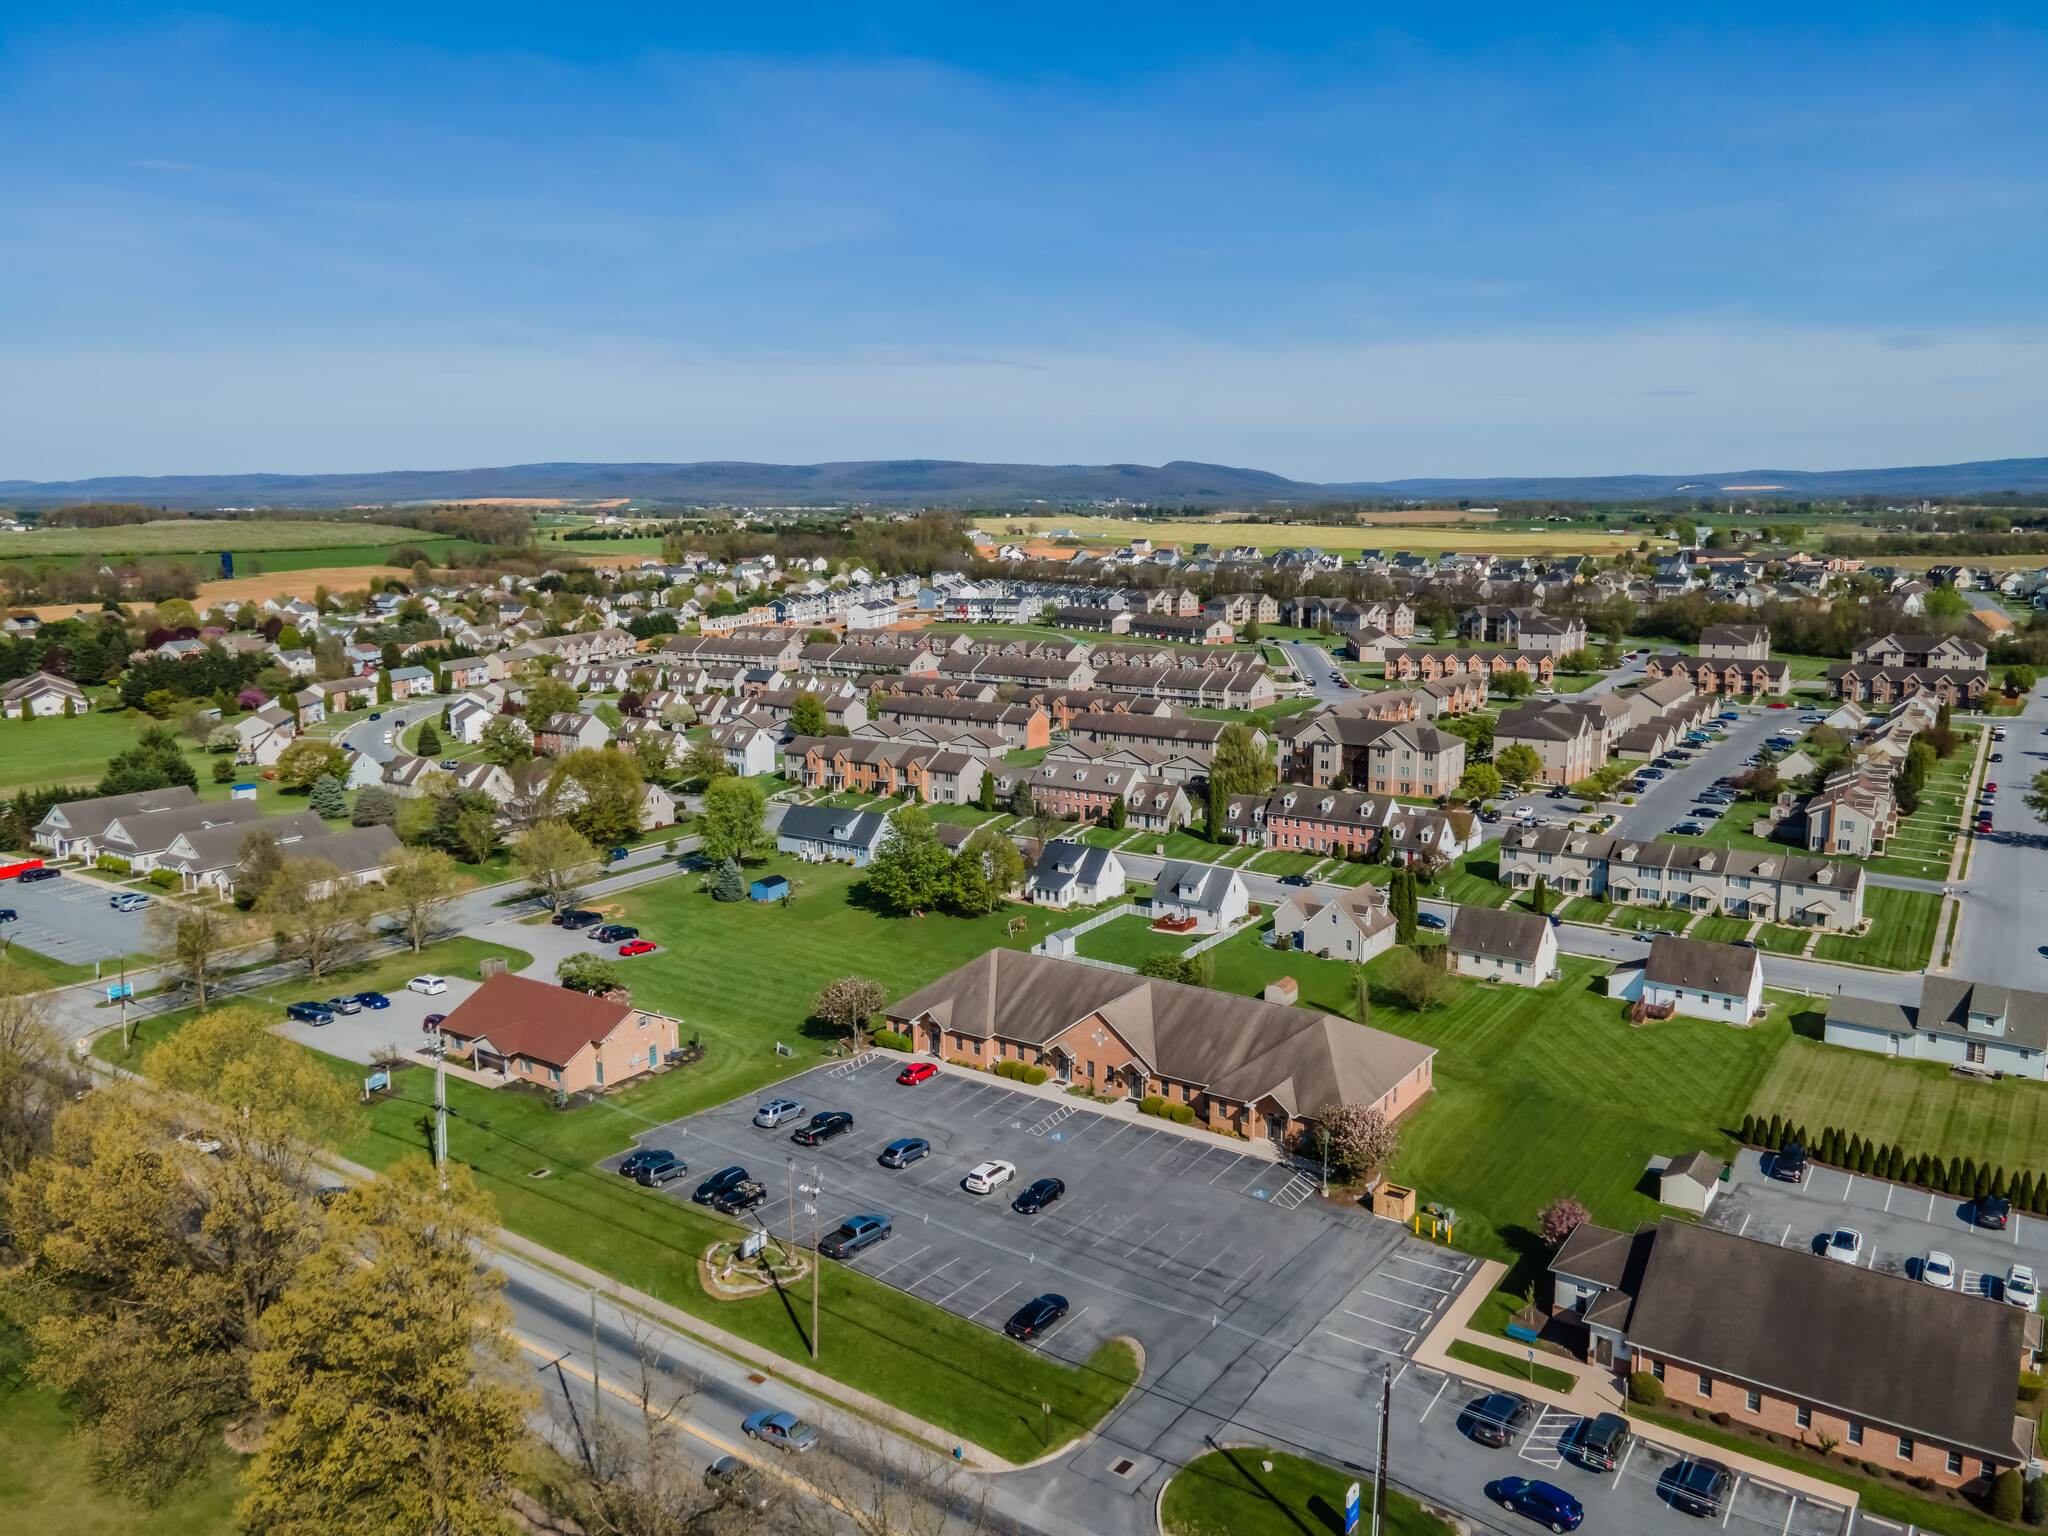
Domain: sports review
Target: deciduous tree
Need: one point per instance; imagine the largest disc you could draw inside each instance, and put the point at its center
(910, 870)
(556, 860)
(807, 715)
(849, 1003)
(1361, 1139)
(318, 916)
(505, 741)
(1557, 1220)
(600, 790)
(1518, 764)
(732, 823)
(309, 759)
(419, 886)
(191, 942)
(586, 971)
(388, 1371)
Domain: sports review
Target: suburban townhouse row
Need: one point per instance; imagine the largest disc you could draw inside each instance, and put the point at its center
(1792, 888)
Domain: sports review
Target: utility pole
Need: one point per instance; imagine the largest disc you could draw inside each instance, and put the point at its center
(596, 1402)
(441, 1131)
(1326, 1160)
(789, 1163)
(1379, 1473)
(124, 1005)
(817, 1272)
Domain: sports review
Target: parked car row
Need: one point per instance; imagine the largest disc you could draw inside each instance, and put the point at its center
(325, 1013)
(1695, 1485)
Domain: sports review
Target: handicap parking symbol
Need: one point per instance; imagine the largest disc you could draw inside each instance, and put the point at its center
(1059, 1135)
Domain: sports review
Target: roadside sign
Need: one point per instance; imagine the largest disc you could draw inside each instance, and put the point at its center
(753, 1242)
(119, 990)
(375, 1081)
(1351, 1510)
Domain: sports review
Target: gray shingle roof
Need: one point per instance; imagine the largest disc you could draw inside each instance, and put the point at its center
(1489, 931)
(1700, 966)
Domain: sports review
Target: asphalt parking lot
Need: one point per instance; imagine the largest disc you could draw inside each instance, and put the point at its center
(363, 1036)
(1158, 1235)
(1670, 800)
(1899, 1225)
(70, 920)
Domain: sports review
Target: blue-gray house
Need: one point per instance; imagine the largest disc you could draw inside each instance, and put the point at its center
(823, 834)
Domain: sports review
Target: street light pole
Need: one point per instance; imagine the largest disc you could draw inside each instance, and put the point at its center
(817, 1273)
(596, 1402)
(1379, 1473)
(441, 1126)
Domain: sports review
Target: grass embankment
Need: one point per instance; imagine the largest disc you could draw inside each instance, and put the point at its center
(1902, 931)
(1230, 1493)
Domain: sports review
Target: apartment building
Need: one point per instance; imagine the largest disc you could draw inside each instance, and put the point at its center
(1385, 757)
(1570, 742)
(1736, 642)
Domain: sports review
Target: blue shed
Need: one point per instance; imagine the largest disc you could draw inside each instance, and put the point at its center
(771, 889)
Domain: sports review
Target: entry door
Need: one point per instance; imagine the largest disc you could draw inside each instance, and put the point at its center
(1603, 1351)
(1276, 1127)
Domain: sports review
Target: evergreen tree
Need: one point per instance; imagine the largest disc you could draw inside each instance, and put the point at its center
(430, 740)
(1954, 1176)
(327, 799)
(1749, 1130)
(1021, 802)
(1117, 814)
(986, 800)
(374, 807)
(1863, 1159)
(1772, 1140)
(383, 685)
(1966, 1181)
(1539, 898)
(730, 886)
(1998, 1182)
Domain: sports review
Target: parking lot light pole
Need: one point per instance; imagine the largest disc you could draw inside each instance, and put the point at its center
(441, 1119)
(816, 1190)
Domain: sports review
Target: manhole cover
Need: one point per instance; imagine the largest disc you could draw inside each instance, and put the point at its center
(1123, 1468)
(538, 1173)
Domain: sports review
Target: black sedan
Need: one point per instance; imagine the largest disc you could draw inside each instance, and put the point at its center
(718, 1184)
(1497, 1418)
(1038, 1196)
(1992, 1211)
(642, 1157)
(1035, 1316)
(614, 933)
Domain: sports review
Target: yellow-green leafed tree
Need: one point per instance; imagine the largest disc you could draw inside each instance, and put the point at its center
(391, 1387)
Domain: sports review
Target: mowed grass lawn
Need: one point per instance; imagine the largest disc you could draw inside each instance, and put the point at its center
(1474, 879)
(1915, 1103)
(61, 751)
(1230, 1493)
(1901, 933)
(1131, 941)
(1540, 1092)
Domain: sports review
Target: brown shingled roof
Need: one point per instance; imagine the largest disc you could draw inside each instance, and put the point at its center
(521, 1017)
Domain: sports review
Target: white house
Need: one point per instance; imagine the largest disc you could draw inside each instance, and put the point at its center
(1353, 925)
(1962, 1023)
(1214, 897)
(411, 682)
(748, 745)
(1499, 945)
(1075, 875)
(824, 834)
(41, 693)
(1707, 981)
(467, 719)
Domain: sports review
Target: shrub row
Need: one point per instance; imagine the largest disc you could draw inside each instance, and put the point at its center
(889, 1040)
(1961, 1176)
(1179, 1114)
(1019, 1072)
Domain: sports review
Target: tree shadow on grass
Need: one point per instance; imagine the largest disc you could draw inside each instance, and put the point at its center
(1531, 1269)
(1246, 1467)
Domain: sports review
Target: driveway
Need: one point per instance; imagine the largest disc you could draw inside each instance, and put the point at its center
(1670, 799)
(1316, 667)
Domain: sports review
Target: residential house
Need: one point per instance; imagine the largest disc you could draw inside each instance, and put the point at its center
(1086, 790)
(1243, 1065)
(1736, 642)
(310, 704)
(1571, 745)
(1920, 652)
(1496, 944)
(749, 745)
(43, 694)
(1212, 897)
(1387, 757)
(262, 735)
(1865, 682)
(74, 828)
(565, 733)
(411, 682)
(466, 672)
(1731, 676)
(820, 834)
(1200, 629)
(533, 1032)
(1962, 1023)
(1071, 874)
(1352, 925)
(1704, 980)
(1854, 814)
(207, 857)
(467, 719)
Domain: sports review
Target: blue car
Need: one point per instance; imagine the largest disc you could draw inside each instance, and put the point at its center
(1428, 920)
(373, 1000)
(1544, 1503)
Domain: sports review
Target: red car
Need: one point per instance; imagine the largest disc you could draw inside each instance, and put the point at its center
(637, 947)
(916, 1073)
(1990, 789)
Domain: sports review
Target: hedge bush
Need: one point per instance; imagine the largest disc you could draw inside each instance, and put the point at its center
(2008, 1492)
(1183, 1114)
(2034, 1502)
(1960, 1176)
(1021, 1072)
(1152, 1104)
(112, 863)
(889, 1040)
(164, 879)
(2030, 1385)
(1645, 1389)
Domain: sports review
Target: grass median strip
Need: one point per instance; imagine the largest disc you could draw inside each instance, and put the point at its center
(1251, 1491)
(1511, 1365)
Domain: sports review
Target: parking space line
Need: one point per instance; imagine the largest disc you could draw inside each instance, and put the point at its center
(1112, 1136)
(1420, 1285)
(1141, 1242)
(1377, 1322)
(999, 1295)
(1062, 1326)
(1412, 1306)
(1217, 1259)
(927, 1248)
(1261, 1172)
(1226, 1168)
(961, 1287)
(1440, 1391)
(1182, 1173)
(1732, 1492)
(1847, 1187)
(1628, 1452)
(934, 1274)
(1178, 1251)
(1112, 1231)
(1460, 1270)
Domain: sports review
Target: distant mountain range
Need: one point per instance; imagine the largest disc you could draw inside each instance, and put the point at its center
(952, 483)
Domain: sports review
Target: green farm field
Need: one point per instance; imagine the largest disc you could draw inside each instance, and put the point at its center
(192, 536)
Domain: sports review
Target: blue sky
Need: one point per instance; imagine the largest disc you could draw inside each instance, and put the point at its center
(1344, 244)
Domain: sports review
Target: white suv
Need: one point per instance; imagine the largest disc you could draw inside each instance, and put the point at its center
(431, 985)
(986, 1176)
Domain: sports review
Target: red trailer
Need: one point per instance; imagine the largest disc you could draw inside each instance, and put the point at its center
(9, 871)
